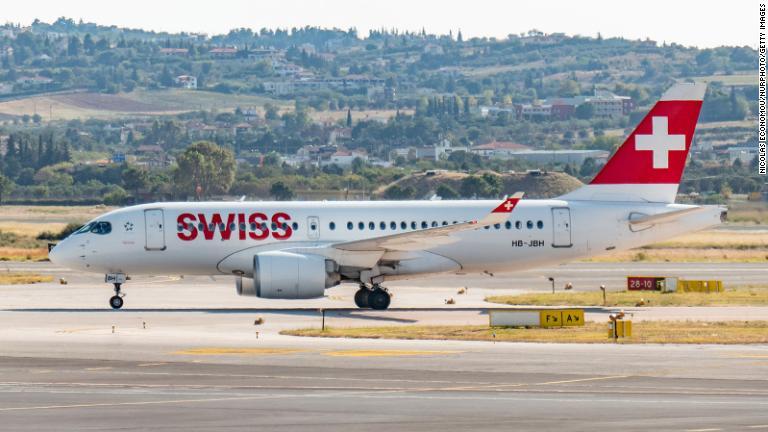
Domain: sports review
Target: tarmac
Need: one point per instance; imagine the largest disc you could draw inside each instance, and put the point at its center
(187, 354)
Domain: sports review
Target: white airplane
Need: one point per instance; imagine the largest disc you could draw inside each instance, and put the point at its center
(295, 250)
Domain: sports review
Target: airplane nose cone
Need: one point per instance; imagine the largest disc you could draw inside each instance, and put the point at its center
(54, 254)
(60, 255)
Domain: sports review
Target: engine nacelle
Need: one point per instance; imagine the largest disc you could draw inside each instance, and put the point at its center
(288, 275)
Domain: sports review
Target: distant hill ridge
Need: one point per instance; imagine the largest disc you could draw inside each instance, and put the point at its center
(535, 184)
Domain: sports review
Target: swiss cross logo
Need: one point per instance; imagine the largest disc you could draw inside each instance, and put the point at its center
(660, 142)
(508, 205)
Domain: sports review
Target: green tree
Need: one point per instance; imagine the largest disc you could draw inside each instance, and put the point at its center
(205, 169)
(135, 179)
(281, 192)
(585, 111)
(446, 192)
(6, 185)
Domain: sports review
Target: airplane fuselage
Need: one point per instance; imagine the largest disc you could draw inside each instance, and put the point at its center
(210, 238)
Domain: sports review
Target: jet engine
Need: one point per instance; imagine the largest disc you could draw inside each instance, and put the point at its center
(289, 275)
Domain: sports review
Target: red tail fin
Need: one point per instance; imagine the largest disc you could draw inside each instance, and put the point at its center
(654, 153)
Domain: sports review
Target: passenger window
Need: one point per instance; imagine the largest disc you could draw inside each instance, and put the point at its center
(413, 224)
(382, 225)
(497, 226)
(507, 224)
(403, 225)
(424, 224)
(295, 226)
(232, 226)
(393, 225)
(274, 226)
(242, 227)
(518, 225)
(540, 224)
(332, 226)
(360, 226)
(529, 224)
(350, 225)
(434, 223)
(101, 228)
(371, 226)
(445, 223)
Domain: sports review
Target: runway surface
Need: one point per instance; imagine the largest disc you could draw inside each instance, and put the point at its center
(186, 354)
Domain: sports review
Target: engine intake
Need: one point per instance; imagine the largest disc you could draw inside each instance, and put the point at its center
(289, 275)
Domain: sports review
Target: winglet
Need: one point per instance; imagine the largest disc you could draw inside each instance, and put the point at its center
(509, 204)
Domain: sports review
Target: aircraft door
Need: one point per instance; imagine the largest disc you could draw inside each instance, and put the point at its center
(313, 227)
(561, 227)
(154, 228)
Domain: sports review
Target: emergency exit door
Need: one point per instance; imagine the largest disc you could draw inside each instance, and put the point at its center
(561, 227)
(154, 229)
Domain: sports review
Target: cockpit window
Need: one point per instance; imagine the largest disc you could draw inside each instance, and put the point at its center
(101, 228)
(85, 228)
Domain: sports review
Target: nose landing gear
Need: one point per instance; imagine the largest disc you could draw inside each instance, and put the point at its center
(116, 301)
(116, 279)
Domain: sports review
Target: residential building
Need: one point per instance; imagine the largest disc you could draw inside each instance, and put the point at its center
(498, 149)
(744, 154)
(183, 52)
(575, 157)
(186, 81)
(223, 53)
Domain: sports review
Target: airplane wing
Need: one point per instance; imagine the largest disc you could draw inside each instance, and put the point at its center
(663, 217)
(431, 237)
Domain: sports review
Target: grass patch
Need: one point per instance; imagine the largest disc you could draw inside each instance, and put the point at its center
(651, 254)
(23, 278)
(23, 254)
(683, 332)
(741, 296)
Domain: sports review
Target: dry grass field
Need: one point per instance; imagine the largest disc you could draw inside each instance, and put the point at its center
(739, 296)
(22, 278)
(82, 105)
(677, 332)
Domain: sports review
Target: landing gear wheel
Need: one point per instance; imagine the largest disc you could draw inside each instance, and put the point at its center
(116, 302)
(378, 299)
(361, 298)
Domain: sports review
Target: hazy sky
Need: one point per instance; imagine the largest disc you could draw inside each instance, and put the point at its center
(704, 24)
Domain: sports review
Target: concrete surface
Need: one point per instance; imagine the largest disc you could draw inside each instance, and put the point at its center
(185, 355)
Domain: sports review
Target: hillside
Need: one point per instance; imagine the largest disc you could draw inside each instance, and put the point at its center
(547, 185)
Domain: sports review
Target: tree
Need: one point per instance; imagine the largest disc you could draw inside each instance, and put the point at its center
(205, 169)
(446, 192)
(349, 117)
(281, 192)
(6, 185)
(585, 111)
(135, 179)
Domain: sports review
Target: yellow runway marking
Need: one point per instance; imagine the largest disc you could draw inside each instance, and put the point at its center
(500, 387)
(583, 380)
(385, 353)
(237, 351)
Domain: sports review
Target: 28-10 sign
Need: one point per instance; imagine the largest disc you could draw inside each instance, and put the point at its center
(643, 283)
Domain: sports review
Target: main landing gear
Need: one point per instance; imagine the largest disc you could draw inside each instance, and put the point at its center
(376, 298)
